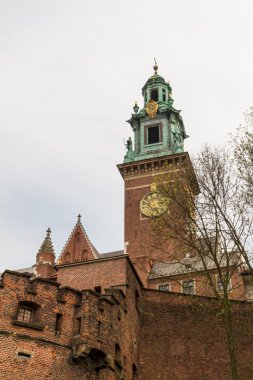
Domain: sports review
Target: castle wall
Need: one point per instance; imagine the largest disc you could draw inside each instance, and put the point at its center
(117, 278)
(35, 350)
(183, 338)
(47, 361)
(98, 338)
(123, 330)
(87, 275)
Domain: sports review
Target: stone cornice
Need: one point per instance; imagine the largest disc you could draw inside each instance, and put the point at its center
(151, 164)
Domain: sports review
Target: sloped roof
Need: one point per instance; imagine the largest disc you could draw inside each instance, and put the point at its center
(111, 254)
(191, 265)
(26, 270)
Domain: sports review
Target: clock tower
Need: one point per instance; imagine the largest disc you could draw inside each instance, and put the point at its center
(159, 135)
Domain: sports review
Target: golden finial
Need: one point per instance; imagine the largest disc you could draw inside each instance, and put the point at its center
(153, 187)
(155, 67)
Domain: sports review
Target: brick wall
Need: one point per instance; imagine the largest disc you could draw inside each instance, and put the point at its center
(183, 338)
(87, 275)
(99, 336)
(201, 285)
(47, 361)
(163, 335)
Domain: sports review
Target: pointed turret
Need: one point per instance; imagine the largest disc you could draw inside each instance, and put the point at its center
(78, 247)
(45, 262)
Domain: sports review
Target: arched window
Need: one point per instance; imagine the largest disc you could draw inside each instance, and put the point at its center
(77, 237)
(85, 255)
(118, 355)
(134, 372)
(67, 258)
(164, 94)
(154, 95)
(77, 240)
(58, 324)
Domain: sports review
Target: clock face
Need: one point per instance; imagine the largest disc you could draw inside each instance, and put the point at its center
(154, 204)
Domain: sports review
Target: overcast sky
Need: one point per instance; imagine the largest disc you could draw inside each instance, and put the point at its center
(70, 73)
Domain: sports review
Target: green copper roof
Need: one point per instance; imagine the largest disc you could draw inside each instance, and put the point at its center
(154, 80)
(158, 127)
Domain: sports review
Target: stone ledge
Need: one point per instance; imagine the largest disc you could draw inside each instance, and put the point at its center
(33, 338)
(27, 324)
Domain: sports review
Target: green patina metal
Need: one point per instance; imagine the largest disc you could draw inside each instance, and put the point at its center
(167, 125)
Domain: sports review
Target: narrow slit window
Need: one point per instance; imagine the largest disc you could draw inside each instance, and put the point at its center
(153, 135)
(164, 94)
(77, 326)
(99, 330)
(24, 354)
(137, 298)
(58, 323)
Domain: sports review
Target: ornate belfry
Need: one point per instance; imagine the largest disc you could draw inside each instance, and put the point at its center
(159, 135)
(158, 127)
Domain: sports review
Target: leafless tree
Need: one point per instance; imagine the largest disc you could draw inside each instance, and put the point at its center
(243, 153)
(213, 228)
